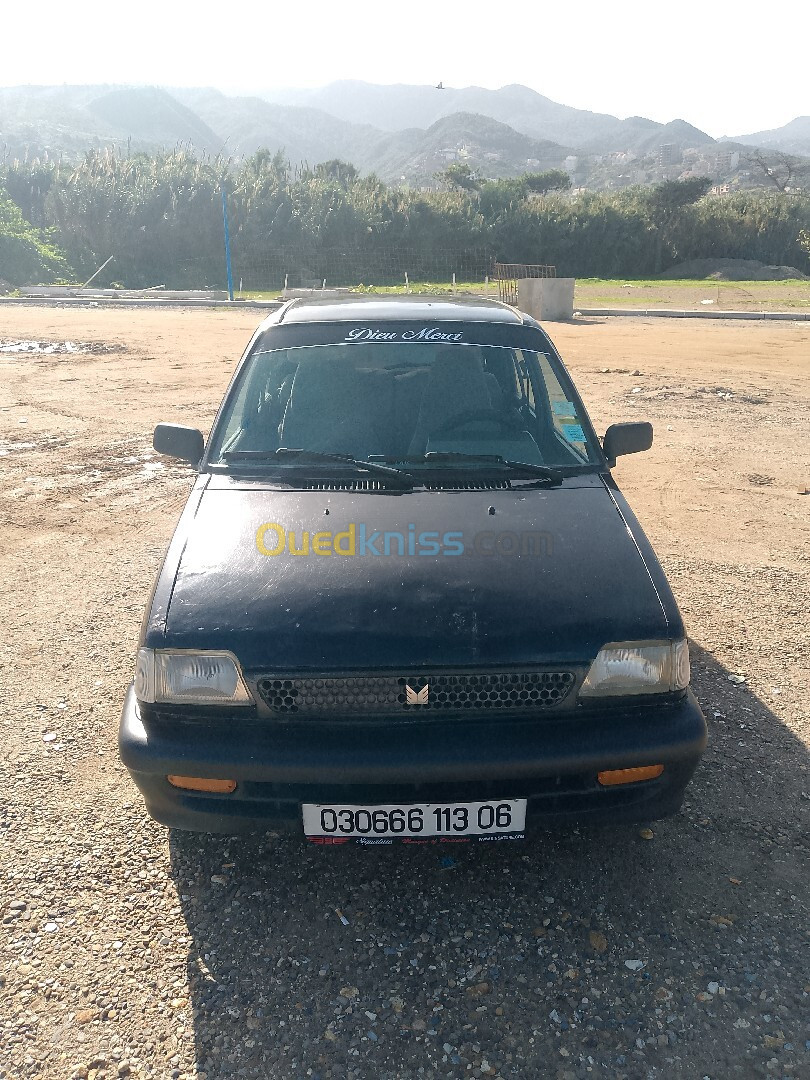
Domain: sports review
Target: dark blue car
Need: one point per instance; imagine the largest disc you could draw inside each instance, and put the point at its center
(406, 600)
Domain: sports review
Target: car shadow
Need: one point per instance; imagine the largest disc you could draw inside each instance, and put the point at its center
(579, 945)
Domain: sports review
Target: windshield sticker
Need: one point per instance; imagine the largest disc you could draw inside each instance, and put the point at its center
(424, 333)
(563, 408)
(573, 432)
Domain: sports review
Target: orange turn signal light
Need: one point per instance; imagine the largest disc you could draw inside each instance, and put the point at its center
(202, 783)
(629, 776)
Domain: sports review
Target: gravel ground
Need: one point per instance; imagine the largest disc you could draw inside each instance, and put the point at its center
(125, 950)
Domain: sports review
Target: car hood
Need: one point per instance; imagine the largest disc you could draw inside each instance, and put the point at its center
(585, 583)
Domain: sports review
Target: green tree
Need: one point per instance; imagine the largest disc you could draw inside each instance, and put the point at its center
(340, 171)
(26, 256)
(664, 204)
(550, 180)
(28, 184)
(459, 175)
(161, 217)
(499, 198)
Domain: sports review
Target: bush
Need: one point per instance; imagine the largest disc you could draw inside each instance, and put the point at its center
(26, 257)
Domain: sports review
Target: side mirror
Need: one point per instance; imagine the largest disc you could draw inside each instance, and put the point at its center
(177, 441)
(626, 439)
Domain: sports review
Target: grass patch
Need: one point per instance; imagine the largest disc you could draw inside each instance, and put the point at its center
(688, 293)
(434, 288)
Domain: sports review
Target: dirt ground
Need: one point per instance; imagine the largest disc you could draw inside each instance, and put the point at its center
(695, 295)
(126, 950)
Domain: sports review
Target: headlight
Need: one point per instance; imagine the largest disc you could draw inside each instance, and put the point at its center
(638, 667)
(189, 678)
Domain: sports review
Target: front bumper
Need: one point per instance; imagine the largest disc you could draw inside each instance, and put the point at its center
(553, 764)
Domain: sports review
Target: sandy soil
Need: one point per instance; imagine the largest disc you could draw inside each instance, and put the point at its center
(124, 950)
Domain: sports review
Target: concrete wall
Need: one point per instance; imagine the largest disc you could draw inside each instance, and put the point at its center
(547, 299)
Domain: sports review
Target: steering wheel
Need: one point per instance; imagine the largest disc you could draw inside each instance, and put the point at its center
(473, 415)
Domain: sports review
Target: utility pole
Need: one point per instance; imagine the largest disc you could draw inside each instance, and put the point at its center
(227, 245)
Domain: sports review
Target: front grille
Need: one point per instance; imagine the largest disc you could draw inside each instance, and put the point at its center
(400, 695)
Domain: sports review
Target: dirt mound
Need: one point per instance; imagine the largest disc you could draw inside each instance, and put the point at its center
(732, 270)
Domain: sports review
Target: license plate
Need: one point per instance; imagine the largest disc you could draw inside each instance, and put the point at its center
(416, 822)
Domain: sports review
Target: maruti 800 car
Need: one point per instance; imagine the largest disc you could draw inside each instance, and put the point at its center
(405, 599)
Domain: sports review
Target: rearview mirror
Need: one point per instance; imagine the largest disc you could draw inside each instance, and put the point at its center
(626, 439)
(177, 441)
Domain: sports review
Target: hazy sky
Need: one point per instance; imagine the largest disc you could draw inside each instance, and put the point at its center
(728, 66)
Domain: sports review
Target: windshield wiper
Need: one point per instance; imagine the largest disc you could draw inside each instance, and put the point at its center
(261, 457)
(524, 468)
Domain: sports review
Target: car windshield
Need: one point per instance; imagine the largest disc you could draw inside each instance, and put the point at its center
(425, 403)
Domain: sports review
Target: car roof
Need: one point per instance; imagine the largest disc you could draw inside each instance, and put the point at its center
(394, 309)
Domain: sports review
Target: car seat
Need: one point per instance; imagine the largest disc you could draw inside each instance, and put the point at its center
(334, 408)
(462, 410)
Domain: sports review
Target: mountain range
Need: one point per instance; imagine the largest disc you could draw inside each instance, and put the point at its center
(402, 133)
(394, 107)
(792, 138)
